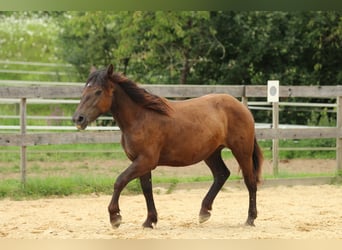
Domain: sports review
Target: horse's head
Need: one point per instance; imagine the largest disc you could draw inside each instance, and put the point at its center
(96, 98)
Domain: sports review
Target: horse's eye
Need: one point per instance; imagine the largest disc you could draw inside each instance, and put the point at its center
(98, 92)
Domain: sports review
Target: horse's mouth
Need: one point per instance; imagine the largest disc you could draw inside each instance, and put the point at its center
(81, 126)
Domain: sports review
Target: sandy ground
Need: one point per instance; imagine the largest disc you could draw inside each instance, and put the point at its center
(298, 212)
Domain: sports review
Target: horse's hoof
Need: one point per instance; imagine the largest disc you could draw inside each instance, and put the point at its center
(150, 221)
(147, 225)
(204, 216)
(115, 221)
(250, 222)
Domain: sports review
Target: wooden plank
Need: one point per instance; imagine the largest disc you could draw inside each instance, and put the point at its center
(72, 138)
(63, 128)
(60, 138)
(115, 136)
(186, 91)
(296, 91)
(169, 91)
(298, 133)
(175, 91)
(256, 91)
(41, 92)
(311, 91)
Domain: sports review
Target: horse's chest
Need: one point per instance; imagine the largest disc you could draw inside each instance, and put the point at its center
(133, 145)
(131, 154)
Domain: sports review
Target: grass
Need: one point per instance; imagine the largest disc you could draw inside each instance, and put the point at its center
(286, 154)
(59, 186)
(37, 187)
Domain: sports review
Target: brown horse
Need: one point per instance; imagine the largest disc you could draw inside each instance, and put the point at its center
(156, 132)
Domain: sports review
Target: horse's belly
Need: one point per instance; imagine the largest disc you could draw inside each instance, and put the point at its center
(186, 154)
(178, 162)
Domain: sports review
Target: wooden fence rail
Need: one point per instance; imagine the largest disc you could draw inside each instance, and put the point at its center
(24, 139)
(175, 91)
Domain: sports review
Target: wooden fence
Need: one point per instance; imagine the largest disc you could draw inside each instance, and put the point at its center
(24, 139)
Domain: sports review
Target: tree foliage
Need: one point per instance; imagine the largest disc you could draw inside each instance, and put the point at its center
(296, 47)
(208, 47)
(169, 44)
(87, 39)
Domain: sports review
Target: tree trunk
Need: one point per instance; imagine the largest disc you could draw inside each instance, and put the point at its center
(186, 68)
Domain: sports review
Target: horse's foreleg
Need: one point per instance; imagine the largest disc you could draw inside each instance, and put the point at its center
(146, 185)
(133, 171)
(221, 174)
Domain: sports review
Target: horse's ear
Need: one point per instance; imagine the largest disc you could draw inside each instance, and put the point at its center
(92, 69)
(110, 70)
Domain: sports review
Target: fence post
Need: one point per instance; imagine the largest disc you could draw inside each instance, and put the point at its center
(273, 97)
(275, 141)
(338, 139)
(23, 146)
(244, 98)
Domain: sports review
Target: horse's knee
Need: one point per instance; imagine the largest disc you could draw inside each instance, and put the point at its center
(118, 185)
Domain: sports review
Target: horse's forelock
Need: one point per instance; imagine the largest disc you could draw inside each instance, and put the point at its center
(98, 77)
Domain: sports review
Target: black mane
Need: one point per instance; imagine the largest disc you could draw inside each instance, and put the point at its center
(139, 95)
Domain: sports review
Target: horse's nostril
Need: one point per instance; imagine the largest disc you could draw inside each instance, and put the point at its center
(80, 119)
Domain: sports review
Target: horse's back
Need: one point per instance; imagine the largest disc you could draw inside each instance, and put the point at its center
(213, 106)
(200, 126)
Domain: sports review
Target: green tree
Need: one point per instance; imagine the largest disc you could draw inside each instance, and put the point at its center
(226, 47)
(322, 37)
(88, 39)
(162, 47)
(294, 47)
(168, 45)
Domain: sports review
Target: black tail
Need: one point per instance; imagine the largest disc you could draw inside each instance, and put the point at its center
(257, 160)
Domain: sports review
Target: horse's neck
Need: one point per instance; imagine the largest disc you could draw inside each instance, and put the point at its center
(124, 110)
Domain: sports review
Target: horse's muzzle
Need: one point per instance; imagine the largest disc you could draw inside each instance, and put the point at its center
(80, 121)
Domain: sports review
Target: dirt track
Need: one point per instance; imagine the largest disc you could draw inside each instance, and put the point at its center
(284, 212)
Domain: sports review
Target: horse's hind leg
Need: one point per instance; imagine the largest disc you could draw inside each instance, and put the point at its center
(221, 174)
(146, 185)
(246, 165)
